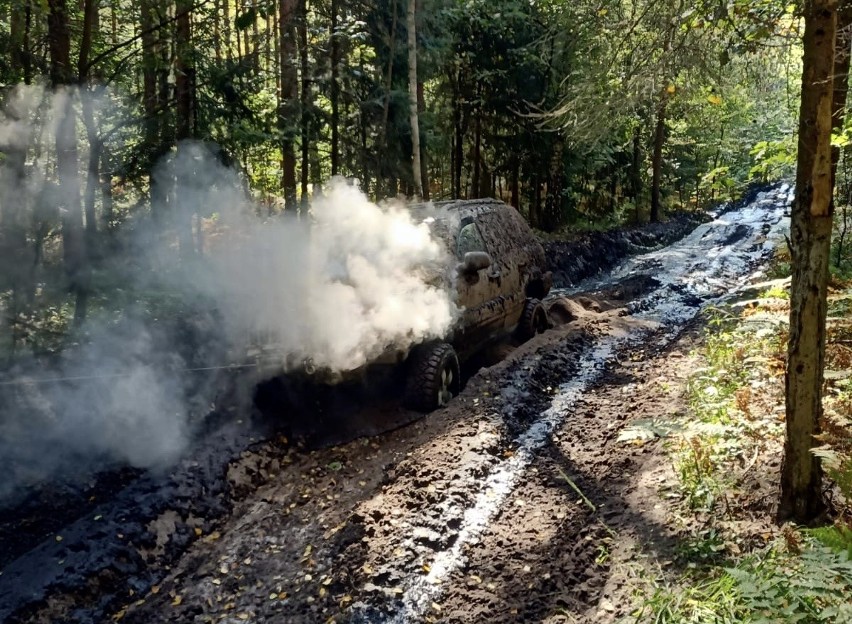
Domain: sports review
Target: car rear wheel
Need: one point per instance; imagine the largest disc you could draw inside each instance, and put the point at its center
(533, 320)
(433, 377)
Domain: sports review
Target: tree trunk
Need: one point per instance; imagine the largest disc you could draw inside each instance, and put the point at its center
(477, 151)
(424, 161)
(289, 101)
(61, 75)
(305, 103)
(551, 218)
(334, 94)
(410, 23)
(516, 182)
(657, 157)
(90, 16)
(841, 79)
(184, 108)
(636, 173)
(106, 190)
(458, 141)
(810, 241)
(535, 206)
(26, 58)
(20, 24)
(149, 71)
(226, 28)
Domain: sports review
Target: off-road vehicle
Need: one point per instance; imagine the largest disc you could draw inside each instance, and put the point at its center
(501, 280)
(498, 268)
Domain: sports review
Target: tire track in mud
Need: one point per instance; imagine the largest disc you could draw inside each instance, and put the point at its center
(698, 270)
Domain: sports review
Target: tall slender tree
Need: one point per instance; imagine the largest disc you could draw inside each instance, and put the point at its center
(289, 102)
(411, 24)
(67, 160)
(810, 243)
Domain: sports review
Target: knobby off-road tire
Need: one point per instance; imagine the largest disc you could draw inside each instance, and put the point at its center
(433, 377)
(533, 320)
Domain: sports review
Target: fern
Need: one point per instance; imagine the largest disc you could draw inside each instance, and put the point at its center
(837, 538)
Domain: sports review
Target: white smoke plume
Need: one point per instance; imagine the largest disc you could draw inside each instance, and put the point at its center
(337, 288)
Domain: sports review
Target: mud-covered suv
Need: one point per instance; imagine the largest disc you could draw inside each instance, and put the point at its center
(501, 280)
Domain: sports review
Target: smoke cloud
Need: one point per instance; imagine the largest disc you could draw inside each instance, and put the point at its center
(338, 289)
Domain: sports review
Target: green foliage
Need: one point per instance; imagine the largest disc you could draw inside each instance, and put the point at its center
(773, 159)
(708, 452)
(809, 587)
(837, 538)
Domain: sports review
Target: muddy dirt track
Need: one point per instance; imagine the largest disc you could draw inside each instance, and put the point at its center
(502, 507)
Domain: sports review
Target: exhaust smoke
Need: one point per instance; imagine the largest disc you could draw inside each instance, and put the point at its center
(335, 289)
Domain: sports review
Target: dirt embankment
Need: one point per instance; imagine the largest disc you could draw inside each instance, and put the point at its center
(585, 255)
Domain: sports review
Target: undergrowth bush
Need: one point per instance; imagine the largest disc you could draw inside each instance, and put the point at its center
(708, 454)
(809, 583)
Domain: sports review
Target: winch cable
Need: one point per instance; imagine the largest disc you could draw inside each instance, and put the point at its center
(23, 382)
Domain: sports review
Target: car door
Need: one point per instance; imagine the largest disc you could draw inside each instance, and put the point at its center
(509, 263)
(480, 292)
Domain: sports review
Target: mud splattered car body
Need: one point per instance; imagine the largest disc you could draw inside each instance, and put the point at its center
(501, 266)
(497, 271)
(499, 276)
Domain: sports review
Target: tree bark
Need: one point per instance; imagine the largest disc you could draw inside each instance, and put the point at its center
(184, 121)
(289, 101)
(636, 173)
(305, 103)
(410, 22)
(334, 94)
(61, 76)
(424, 152)
(842, 54)
(90, 16)
(549, 221)
(810, 241)
(477, 151)
(458, 141)
(516, 182)
(657, 157)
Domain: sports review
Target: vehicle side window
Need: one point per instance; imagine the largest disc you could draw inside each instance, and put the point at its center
(470, 239)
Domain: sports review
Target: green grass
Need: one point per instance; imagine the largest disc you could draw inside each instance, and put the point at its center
(723, 430)
(804, 576)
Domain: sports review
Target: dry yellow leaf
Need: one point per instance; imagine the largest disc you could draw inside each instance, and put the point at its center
(176, 602)
(197, 531)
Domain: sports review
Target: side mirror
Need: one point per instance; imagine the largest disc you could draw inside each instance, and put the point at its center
(475, 261)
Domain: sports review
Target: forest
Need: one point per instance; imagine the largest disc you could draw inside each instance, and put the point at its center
(584, 114)
(191, 189)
